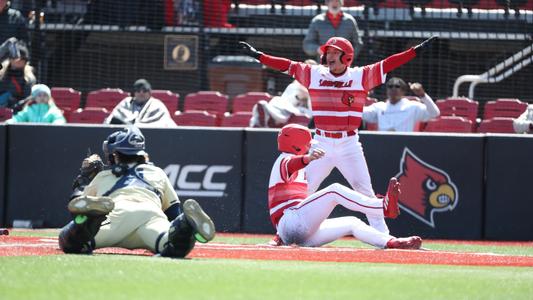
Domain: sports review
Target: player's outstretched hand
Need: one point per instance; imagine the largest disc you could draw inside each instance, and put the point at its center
(247, 49)
(425, 44)
(315, 153)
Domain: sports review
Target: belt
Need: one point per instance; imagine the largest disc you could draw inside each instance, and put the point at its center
(336, 134)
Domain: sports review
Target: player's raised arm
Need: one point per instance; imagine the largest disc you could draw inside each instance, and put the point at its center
(394, 61)
(375, 73)
(300, 71)
(278, 63)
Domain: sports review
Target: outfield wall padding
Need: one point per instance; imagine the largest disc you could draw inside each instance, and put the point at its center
(509, 173)
(45, 159)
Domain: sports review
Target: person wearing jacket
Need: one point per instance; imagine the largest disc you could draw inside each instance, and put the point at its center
(39, 109)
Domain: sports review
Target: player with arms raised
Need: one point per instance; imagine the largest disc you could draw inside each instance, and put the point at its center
(302, 219)
(338, 93)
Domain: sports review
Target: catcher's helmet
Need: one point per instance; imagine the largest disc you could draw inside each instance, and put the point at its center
(129, 141)
(341, 44)
(294, 138)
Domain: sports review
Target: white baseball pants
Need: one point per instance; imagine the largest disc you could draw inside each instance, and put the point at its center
(346, 154)
(307, 225)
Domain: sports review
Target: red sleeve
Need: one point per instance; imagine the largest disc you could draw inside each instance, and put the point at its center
(374, 74)
(394, 61)
(277, 63)
(299, 71)
(296, 163)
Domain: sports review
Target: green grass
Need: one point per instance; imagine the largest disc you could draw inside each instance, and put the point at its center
(139, 277)
(135, 277)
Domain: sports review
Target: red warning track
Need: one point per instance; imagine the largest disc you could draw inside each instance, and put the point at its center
(28, 246)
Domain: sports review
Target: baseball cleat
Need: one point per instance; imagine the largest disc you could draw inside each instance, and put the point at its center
(203, 225)
(390, 202)
(412, 242)
(276, 241)
(91, 206)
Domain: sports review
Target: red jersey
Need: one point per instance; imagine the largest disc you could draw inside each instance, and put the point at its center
(285, 191)
(337, 101)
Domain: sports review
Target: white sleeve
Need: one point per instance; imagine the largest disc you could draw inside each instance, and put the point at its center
(370, 113)
(429, 110)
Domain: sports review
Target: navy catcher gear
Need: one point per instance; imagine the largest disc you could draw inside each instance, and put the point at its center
(129, 141)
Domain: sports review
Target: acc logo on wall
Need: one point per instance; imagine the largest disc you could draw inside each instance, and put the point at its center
(425, 189)
(197, 180)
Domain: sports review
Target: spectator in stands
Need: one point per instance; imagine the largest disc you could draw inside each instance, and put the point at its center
(16, 78)
(524, 123)
(142, 109)
(398, 113)
(12, 23)
(329, 24)
(295, 100)
(40, 108)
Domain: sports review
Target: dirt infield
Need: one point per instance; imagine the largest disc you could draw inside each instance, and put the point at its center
(28, 246)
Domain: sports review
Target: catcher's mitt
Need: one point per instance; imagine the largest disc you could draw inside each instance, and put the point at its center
(90, 166)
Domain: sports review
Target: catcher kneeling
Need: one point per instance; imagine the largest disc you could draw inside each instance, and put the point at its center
(131, 204)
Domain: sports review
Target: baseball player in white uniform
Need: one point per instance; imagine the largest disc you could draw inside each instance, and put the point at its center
(301, 218)
(398, 113)
(131, 205)
(338, 94)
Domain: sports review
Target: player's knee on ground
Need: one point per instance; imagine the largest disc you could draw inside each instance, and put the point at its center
(180, 238)
(79, 238)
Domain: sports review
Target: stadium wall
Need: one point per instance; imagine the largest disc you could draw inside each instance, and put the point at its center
(470, 186)
(3, 177)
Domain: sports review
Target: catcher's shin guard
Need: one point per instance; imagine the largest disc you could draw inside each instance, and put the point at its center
(180, 238)
(78, 235)
(89, 213)
(190, 226)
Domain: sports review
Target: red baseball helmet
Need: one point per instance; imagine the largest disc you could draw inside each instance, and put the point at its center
(294, 138)
(341, 44)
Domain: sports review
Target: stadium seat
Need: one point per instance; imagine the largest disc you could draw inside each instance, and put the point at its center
(91, 115)
(497, 125)
(107, 98)
(65, 97)
(170, 99)
(5, 114)
(213, 102)
(238, 119)
(511, 108)
(245, 102)
(462, 107)
(449, 124)
(302, 120)
(194, 118)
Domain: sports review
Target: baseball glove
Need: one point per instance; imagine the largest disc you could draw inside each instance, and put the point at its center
(90, 166)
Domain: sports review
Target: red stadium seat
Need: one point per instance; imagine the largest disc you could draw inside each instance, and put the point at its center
(194, 118)
(106, 98)
(210, 101)
(170, 99)
(497, 125)
(238, 119)
(91, 115)
(449, 124)
(65, 97)
(511, 108)
(245, 102)
(5, 114)
(462, 107)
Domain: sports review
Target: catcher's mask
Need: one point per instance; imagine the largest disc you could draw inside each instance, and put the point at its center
(294, 138)
(340, 44)
(129, 141)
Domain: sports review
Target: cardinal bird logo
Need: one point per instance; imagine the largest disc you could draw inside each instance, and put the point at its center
(425, 189)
